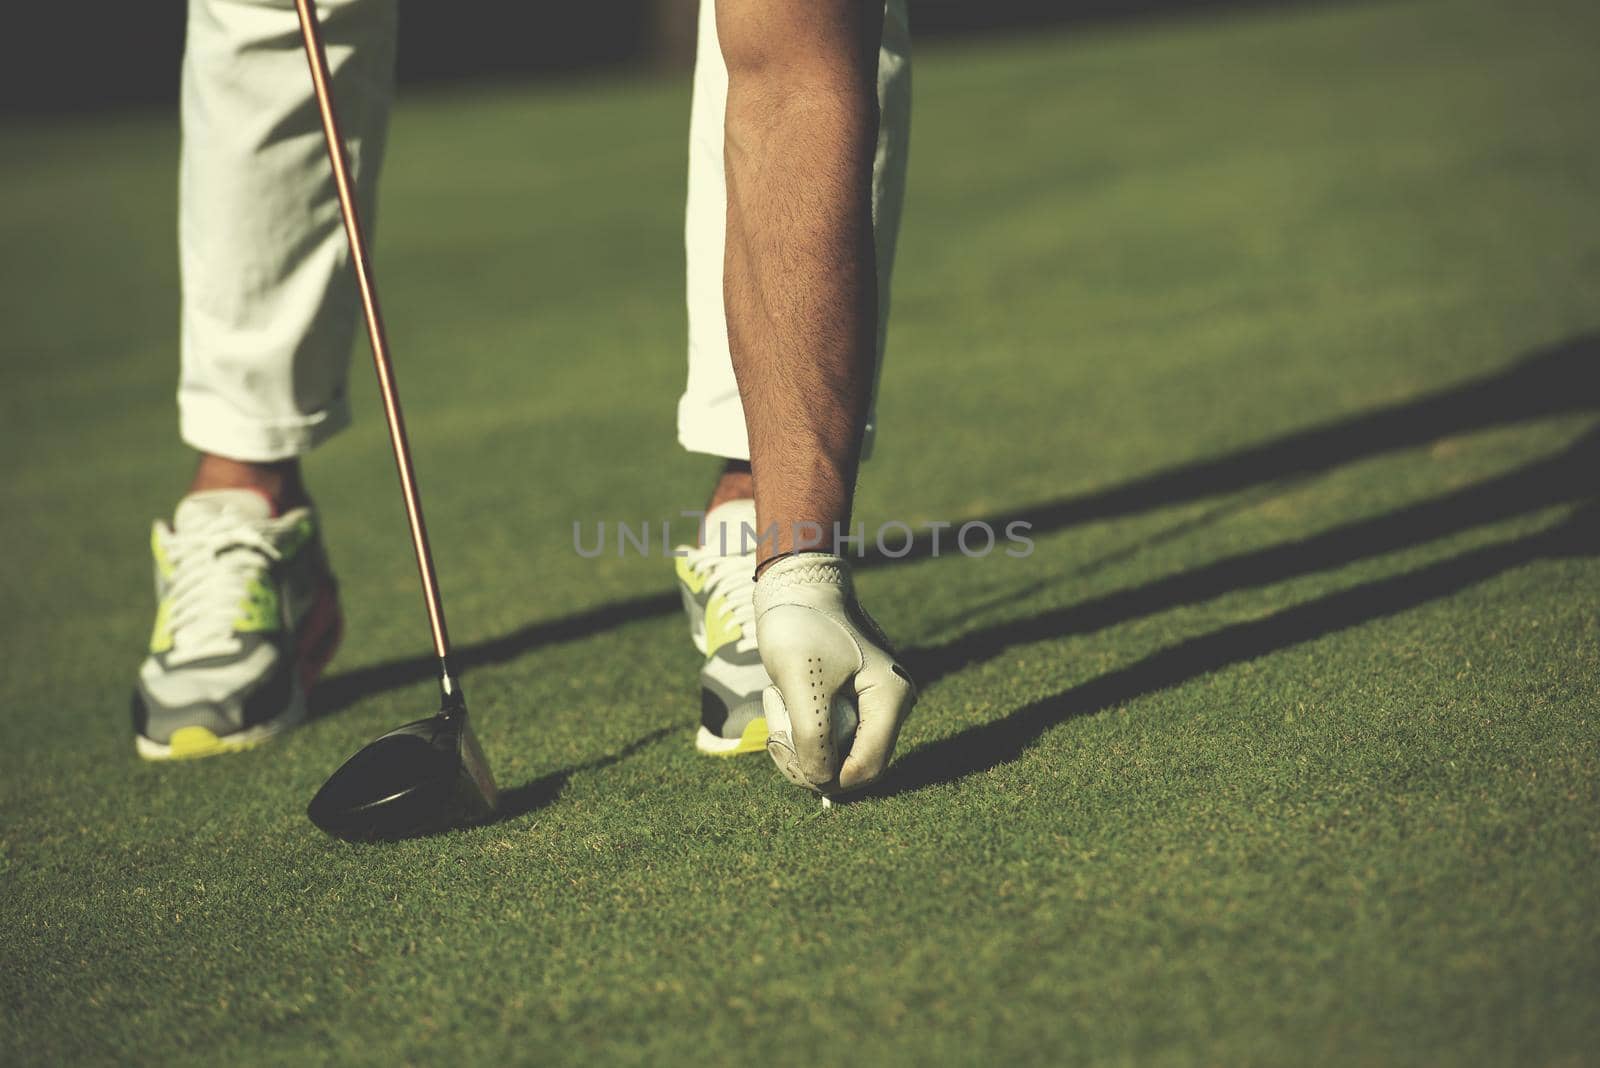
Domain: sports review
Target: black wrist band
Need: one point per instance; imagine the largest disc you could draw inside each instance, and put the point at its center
(761, 565)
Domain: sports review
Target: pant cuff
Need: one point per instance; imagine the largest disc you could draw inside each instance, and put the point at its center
(714, 435)
(209, 425)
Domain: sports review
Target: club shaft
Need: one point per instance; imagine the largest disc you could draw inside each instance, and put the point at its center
(316, 56)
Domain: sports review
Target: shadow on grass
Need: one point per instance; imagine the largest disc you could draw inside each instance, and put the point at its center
(340, 691)
(1558, 380)
(1565, 478)
(1004, 740)
(537, 793)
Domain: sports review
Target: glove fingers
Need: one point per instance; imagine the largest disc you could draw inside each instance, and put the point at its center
(811, 727)
(811, 659)
(780, 737)
(884, 701)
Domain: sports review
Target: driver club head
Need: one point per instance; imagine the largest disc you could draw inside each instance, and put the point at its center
(427, 776)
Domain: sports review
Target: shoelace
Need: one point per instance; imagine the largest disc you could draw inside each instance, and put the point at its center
(732, 576)
(211, 572)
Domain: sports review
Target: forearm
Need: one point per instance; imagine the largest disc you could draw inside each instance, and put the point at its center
(800, 277)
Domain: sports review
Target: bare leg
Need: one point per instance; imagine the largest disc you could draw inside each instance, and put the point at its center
(279, 481)
(800, 283)
(733, 484)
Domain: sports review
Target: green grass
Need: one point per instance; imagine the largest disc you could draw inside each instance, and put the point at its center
(1281, 747)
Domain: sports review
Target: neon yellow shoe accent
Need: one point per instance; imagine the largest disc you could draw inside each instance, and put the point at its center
(161, 633)
(296, 537)
(689, 577)
(720, 625)
(259, 612)
(190, 742)
(194, 742)
(753, 740)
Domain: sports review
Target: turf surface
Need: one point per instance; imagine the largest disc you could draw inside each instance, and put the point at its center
(1282, 745)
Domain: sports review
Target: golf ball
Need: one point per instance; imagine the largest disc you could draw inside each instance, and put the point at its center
(845, 719)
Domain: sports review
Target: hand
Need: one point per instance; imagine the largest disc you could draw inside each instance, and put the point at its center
(825, 655)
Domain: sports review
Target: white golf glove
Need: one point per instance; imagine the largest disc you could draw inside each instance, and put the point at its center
(838, 695)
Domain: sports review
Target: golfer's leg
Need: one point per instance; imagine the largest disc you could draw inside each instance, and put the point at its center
(269, 307)
(710, 413)
(800, 286)
(268, 318)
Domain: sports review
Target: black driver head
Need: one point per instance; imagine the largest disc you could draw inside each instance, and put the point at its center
(425, 777)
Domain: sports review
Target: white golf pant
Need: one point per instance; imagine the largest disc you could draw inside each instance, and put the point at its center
(269, 303)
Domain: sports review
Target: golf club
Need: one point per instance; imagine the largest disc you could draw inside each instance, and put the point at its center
(430, 774)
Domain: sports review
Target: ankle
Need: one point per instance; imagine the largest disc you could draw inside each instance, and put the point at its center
(734, 484)
(279, 481)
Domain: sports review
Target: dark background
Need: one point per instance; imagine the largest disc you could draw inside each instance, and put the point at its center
(125, 54)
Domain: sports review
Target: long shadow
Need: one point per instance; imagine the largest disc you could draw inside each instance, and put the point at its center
(1561, 379)
(346, 688)
(1556, 380)
(540, 792)
(1004, 740)
(543, 791)
(1566, 477)
(1011, 596)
